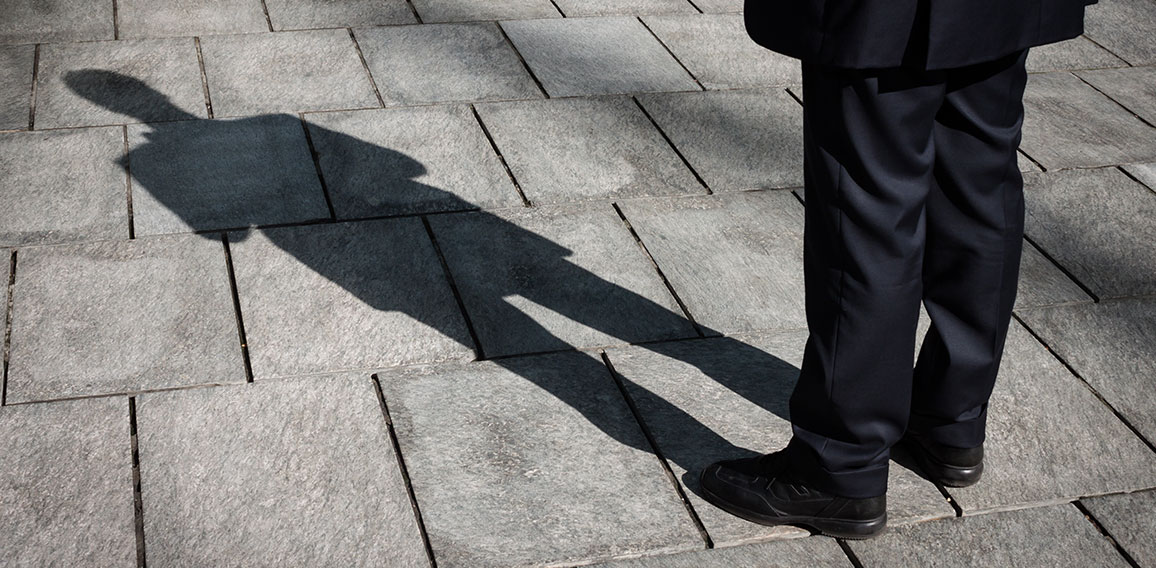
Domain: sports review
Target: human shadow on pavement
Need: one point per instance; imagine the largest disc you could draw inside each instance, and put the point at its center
(197, 166)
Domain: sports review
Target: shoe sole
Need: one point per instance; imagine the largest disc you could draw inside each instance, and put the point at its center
(945, 474)
(838, 528)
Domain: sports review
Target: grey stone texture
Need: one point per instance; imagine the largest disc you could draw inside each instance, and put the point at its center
(444, 63)
(1130, 520)
(735, 260)
(1146, 173)
(597, 56)
(1042, 283)
(285, 72)
(117, 82)
(1034, 538)
(580, 8)
(555, 278)
(62, 186)
(345, 296)
(1076, 53)
(206, 175)
(817, 551)
(39, 21)
(281, 473)
(726, 398)
(1068, 124)
(146, 18)
(718, 52)
(66, 484)
(532, 461)
(1097, 225)
(735, 139)
(1133, 88)
(1049, 439)
(310, 14)
(413, 160)
(1110, 345)
(483, 10)
(120, 316)
(718, 6)
(1124, 26)
(15, 86)
(585, 148)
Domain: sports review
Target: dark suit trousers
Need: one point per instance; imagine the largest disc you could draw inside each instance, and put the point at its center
(913, 194)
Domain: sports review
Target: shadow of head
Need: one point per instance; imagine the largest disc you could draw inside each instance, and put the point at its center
(123, 94)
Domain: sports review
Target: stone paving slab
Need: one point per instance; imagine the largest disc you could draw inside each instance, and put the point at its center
(1068, 124)
(62, 186)
(311, 14)
(555, 278)
(582, 8)
(121, 316)
(41, 21)
(115, 82)
(146, 18)
(735, 139)
(483, 10)
(725, 398)
(1146, 173)
(1076, 53)
(1131, 520)
(285, 72)
(735, 260)
(444, 63)
(532, 461)
(343, 296)
(66, 484)
(1042, 283)
(1124, 27)
(718, 52)
(1110, 345)
(585, 148)
(1134, 88)
(816, 551)
(597, 56)
(1049, 439)
(282, 473)
(413, 160)
(719, 6)
(206, 175)
(1097, 225)
(1035, 538)
(15, 86)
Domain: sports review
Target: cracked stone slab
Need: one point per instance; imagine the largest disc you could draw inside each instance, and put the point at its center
(580, 8)
(1146, 173)
(122, 316)
(145, 18)
(15, 86)
(1123, 26)
(585, 148)
(817, 551)
(62, 186)
(275, 473)
(532, 460)
(205, 175)
(413, 160)
(66, 484)
(1097, 225)
(483, 10)
(117, 82)
(1042, 283)
(1068, 124)
(345, 296)
(41, 21)
(1075, 53)
(718, 6)
(1134, 88)
(735, 139)
(735, 260)
(718, 52)
(597, 56)
(285, 72)
(1131, 520)
(1049, 439)
(724, 398)
(1033, 538)
(434, 63)
(311, 14)
(555, 278)
(1110, 345)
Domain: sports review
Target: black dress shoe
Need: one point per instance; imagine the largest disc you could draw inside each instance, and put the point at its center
(953, 467)
(758, 490)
